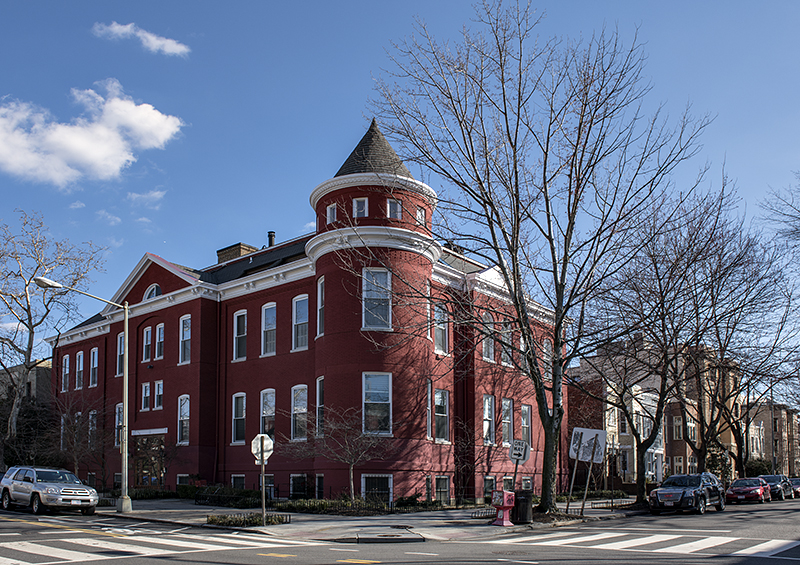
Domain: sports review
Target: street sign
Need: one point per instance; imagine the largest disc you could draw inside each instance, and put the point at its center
(256, 448)
(520, 451)
(585, 443)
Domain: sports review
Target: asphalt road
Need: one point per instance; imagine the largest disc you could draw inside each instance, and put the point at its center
(742, 534)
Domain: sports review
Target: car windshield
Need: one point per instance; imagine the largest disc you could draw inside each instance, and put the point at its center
(56, 477)
(746, 483)
(681, 481)
(795, 481)
(771, 478)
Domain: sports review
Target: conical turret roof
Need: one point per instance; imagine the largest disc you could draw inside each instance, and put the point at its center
(373, 154)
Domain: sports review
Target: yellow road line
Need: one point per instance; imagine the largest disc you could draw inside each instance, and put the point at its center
(59, 526)
(365, 561)
(277, 555)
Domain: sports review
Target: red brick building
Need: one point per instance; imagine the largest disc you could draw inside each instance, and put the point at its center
(366, 313)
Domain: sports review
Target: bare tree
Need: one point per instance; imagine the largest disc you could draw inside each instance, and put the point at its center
(27, 312)
(547, 162)
(337, 436)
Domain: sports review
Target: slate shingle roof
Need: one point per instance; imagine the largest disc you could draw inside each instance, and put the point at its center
(373, 154)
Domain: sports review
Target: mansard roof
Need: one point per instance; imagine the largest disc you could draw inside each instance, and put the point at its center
(259, 261)
(373, 154)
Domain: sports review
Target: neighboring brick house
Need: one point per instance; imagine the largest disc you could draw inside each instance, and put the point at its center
(779, 431)
(36, 385)
(271, 340)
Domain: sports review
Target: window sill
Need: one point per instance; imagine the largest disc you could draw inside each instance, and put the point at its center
(183, 363)
(438, 441)
(158, 358)
(238, 443)
(272, 354)
(238, 359)
(492, 361)
(158, 408)
(182, 443)
(145, 360)
(144, 410)
(299, 439)
(296, 349)
(92, 386)
(366, 329)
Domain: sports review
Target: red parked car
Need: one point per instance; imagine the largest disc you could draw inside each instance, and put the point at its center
(743, 490)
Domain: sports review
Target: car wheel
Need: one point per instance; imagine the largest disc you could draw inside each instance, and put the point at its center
(6, 500)
(36, 505)
(721, 506)
(88, 511)
(701, 505)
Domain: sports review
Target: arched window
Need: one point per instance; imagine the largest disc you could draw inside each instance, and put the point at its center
(488, 340)
(152, 291)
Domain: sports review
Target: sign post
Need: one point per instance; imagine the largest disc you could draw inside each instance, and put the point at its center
(519, 452)
(261, 447)
(586, 445)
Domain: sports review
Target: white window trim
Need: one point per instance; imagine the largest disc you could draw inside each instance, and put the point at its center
(399, 204)
(330, 213)
(65, 373)
(145, 397)
(243, 396)
(147, 347)
(292, 413)
(488, 345)
(180, 340)
(79, 373)
(262, 396)
(388, 289)
(155, 395)
(188, 418)
(366, 207)
(264, 308)
(365, 476)
(118, 417)
(363, 402)
(445, 441)
(238, 476)
(295, 300)
(506, 339)
(120, 353)
(492, 425)
(319, 420)
(236, 356)
(429, 409)
(436, 348)
(149, 289)
(321, 306)
(94, 356)
(507, 440)
(156, 356)
(180, 476)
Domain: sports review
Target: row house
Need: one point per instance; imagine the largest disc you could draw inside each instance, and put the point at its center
(775, 436)
(368, 315)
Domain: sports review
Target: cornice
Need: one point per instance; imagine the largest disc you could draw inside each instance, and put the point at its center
(372, 179)
(269, 278)
(373, 237)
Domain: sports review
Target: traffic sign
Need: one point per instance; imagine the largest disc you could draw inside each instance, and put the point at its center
(259, 443)
(520, 451)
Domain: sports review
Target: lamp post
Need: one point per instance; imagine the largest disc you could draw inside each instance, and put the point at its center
(124, 502)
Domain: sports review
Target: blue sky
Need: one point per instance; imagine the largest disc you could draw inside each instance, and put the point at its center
(180, 127)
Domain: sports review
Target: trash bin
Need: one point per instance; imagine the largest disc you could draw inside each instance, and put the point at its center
(522, 513)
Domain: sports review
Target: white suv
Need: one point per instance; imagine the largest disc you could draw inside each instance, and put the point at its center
(42, 488)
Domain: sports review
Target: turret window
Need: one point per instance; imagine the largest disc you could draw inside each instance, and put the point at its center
(394, 209)
(360, 208)
(330, 213)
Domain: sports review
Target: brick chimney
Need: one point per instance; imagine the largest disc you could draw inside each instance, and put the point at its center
(234, 251)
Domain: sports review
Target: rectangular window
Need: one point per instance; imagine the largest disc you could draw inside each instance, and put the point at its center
(321, 306)
(330, 213)
(159, 341)
(93, 367)
(300, 322)
(376, 488)
(678, 464)
(268, 329)
(118, 414)
(120, 353)
(377, 305)
(321, 406)
(506, 337)
(238, 418)
(377, 399)
(79, 370)
(623, 422)
(185, 340)
(360, 208)
(297, 486)
(488, 340)
(299, 411)
(442, 410)
(527, 483)
(525, 423)
(691, 430)
(421, 220)
(488, 486)
(488, 419)
(237, 481)
(183, 419)
(147, 343)
(146, 396)
(507, 429)
(677, 428)
(158, 399)
(240, 335)
(441, 323)
(443, 489)
(429, 414)
(320, 486)
(92, 428)
(182, 480)
(268, 412)
(394, 209)
(508, 483)
(65, 374)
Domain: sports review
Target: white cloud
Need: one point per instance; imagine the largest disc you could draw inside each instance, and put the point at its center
(150, 41)
(115, 243)
(144, 220)
(77, 205)
(150, 199)
(310, 226)
(110, 218)
(98, 145)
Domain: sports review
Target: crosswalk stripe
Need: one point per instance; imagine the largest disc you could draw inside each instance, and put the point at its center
(121, 547)
(262, 538)
(39, 549)
(579, 539)
(531, 539)
(768, 548)
(625, 544)
(178, 542)
(692, 546)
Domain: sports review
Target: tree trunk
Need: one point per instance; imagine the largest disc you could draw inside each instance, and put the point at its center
(552, 437)
(352, 489)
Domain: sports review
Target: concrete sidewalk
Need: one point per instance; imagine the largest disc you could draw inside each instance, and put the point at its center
(441, 525)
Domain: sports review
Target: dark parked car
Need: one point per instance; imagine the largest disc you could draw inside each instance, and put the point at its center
(753, 489)
(779, 486)
(688, 492)
(795, 487)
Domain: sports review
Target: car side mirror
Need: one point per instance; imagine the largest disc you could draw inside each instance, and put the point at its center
(27, 480)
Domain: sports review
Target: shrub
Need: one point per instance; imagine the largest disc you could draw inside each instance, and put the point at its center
(246, 519)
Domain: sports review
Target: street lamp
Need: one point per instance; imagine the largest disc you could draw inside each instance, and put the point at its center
(124, 502)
